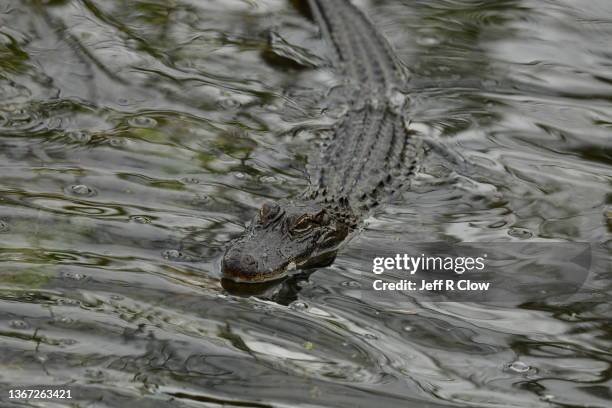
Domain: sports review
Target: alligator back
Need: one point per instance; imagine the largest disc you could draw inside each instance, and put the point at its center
(370, 154)
(361, 53)
(369, 157)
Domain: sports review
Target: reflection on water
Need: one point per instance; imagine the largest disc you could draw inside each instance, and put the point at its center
(137, 137)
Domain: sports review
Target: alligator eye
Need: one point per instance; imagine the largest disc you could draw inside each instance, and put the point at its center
(268, 211)
(303, 224)
(329, 240)
(321, 218)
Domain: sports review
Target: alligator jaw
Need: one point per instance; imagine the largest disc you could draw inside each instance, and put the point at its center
(259, 277)
(286, 269)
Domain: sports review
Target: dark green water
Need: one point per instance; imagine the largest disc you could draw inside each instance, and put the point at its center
(137, 137)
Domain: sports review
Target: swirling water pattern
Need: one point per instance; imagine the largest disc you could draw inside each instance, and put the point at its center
(136, 137)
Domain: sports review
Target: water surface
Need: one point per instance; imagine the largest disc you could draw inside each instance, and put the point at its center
(137, 137)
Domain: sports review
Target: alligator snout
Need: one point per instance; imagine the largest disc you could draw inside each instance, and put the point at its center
(239, 265)
(243, 263)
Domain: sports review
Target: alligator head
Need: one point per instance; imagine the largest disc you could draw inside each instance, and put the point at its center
(284, 236)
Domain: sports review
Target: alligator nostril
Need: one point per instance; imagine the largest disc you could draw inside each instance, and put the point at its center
(249, 261)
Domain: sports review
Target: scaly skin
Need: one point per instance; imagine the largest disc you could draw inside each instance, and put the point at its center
(370, 156)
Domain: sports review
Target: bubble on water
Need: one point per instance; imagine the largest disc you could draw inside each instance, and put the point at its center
(68, 342)
(176, 255)
(519, 367)
(521, 233)
(67, 302)
(171, 254)
(298, 306)
(82, 190)
(141, 219)
(117, 142)
(351, 284)
(269, 179)
(428, 39)
(64, 320)
(19, 324)
(190, 180)
(150, 388)
(74, 276)
(228, 103)
(547, 397)
(4, 227)
(239, 175)
(370, 336)
(497, 197)
(79, 136)
(142, 122)
(408, 328)
(94, 374)
(201, 199)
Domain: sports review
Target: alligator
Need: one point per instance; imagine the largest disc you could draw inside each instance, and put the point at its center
(370, 156)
